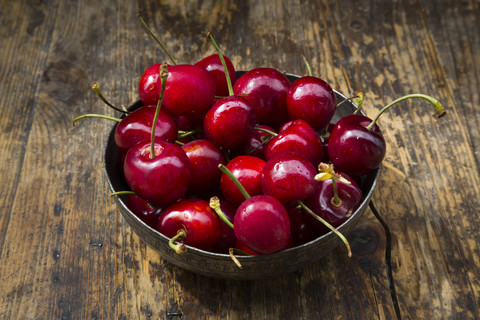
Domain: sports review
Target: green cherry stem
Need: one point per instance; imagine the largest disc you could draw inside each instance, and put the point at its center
(98, 91)
(160, 43)
(309, 70)
(234, 179)
(178, 247)
(438, 106)
(93, 115)
(328, 225)
(163, 81)
(224, 65)
(270, 132)
(215, 205)
(122, 193)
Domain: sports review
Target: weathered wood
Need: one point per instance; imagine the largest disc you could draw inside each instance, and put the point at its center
(65, 251)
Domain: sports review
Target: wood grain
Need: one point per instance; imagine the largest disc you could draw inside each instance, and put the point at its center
(65, 251)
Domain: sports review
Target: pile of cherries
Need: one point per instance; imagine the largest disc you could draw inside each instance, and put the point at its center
(253, 163)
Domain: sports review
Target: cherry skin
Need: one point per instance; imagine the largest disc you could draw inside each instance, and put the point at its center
(353, 149)
(266, 89)
(189, 90)
(160, 180)
(301, 227)
(137, 126)
(227, 237)
(148, 85)
(321, 202)
(255, 143)
(204, 157)
(244, 248)
(288, 177)
(144, 210)
(214, 66)
(248, 171)
(229, 122)
(261, 223)
(313, 100)
(297, 137)
(200, 223)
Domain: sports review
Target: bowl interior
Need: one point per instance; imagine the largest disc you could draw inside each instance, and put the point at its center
(221, 265)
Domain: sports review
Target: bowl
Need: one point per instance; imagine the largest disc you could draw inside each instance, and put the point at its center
(221, 265)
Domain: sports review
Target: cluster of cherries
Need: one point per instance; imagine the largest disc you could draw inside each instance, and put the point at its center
(216, 162)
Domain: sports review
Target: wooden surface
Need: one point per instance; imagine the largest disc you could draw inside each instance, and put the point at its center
(65, 251)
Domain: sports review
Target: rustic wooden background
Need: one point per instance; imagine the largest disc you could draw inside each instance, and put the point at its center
(66, 253)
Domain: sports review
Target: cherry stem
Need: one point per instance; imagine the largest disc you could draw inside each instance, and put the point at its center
(184, 134)
(438, 106)
(163, 81)
(160, 43)
(122, 193)
(356, 96)
(270, 132)
(215, 205)
(178, 247)
(234, 179)
(92, 115)
(224, 65)
(231, 252)
(336, 201)
(328, 225)
(260, 145)
(98, 91)
(309, 70)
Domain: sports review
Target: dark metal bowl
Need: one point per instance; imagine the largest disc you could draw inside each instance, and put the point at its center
(221, 265)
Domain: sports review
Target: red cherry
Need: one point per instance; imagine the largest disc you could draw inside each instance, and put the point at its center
(288, 177)
(148, 85)
(137, 126)
(255, 143)
(204, 157)
(266, 89)
(248, 171)
(323, 204)
(244, 248)
(313, 100)
(229, 122)
(261, 223)
(189, 90)
(297, 137)
(214, 66)
(160, 180)
(301, 227)
(195, 217)
(144, 210)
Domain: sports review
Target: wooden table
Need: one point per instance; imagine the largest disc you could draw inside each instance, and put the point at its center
(65, 251)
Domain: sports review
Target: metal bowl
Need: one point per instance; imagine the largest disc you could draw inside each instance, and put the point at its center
(221, 265)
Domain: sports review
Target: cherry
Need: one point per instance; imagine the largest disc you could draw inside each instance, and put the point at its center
(243, 248)
(261, 223)
(301, 227)
(144, 210)
(214, 66)
(160, 179)
(356, 144)
(298, 137)
(335, 199)
(199, 223)
(204, 157)
(266, 89)
(311, 99)
(137, 126)
(288, 177)
(248, 171)
(190, 90)
(256, 142)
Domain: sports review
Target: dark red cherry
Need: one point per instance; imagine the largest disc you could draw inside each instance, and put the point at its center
(214, 66)
(354, 149)
(266, 89)
(244, 248)
(229, 122)
(301, 227)
(204, 157)
(189, 90)
(227, 238)
(137, 126)
(313, 100)
(189, 123)
(148, 85)
(261, 223)
(195, 217)
(248, 171)
(322, 202)
(297, 137)
(288, 177)
(255, 143)
(144, 210)
(160, 180)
